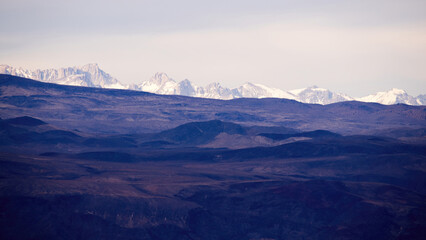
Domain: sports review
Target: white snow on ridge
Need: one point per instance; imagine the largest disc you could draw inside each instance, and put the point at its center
(90, 75)
(318, 95)
(392, 96)
(250, 90)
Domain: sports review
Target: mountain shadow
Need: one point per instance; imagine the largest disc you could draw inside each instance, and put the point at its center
(310, 134)
(25, 121)
(196, 133)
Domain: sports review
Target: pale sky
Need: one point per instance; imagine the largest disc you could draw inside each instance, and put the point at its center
(354, 47)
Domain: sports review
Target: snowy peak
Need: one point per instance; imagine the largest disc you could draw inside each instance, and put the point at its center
(397, 91)
(99, 78)
(186, 88)
(250, 90)
(318, 95)
(91, 67)
(89, 75)
(422, 99)
(215, 90)
(160, 79)
(392, 96)
(160, 83)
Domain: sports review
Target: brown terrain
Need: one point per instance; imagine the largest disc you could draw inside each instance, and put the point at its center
(85, 163)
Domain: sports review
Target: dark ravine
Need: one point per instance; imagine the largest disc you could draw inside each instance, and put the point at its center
(86, 163)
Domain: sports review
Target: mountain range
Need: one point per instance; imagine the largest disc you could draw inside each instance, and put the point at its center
(94, 163)
(128, 111)
(90, 75)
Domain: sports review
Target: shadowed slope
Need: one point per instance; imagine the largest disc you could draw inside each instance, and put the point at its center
(25, 121)
(200, 132)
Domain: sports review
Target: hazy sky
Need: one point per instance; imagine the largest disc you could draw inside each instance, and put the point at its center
(355, 47)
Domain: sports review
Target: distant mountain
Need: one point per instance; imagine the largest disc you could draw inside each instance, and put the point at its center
(125, 111)
(250, 90)
(318, 95)
(422, 99)
(393, 96)
(160, 83)
(91, 75)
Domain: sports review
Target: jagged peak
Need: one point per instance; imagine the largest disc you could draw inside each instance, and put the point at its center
(185, 81)
(393, 96)
(160, 75)
(393, 91)
(297, 91)
(316, 88)
(92, 76)
(92, 68)
(89, 66)
(249, 84)
(89, 75)
(4, 67)
(85, 67)
(397, 91)
(214, 85)
(160, 78)
(255, 85)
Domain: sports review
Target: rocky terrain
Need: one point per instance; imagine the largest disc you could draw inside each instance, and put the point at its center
(92, 163)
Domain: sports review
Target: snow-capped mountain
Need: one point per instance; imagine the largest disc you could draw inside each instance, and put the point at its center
(422, 99)
(160, 83)
(318, 95)
(392, 96)
(89, 75)
(250, 90)
(215, 90)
